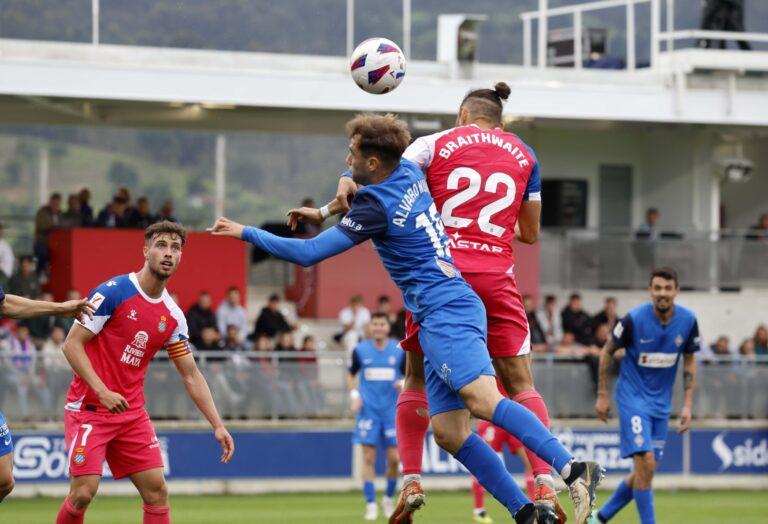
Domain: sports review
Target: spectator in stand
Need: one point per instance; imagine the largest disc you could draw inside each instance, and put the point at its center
(747, 350)
(271, 320)
(209, 340)
(569, 347)
(230, 312)
(353, 319)
(7, 259)
(125, 193)
(40, 327)
(592, 352)
(72, 217)
(384, 306)
(608, 315)
(649, 230)
(723, 15)
(114, 214)
(721, 347)
(58, 373)
(575, 320)
(761, 340)
(760, 230)
(232, 340)
(262, 344)
(199, 317)
(25, 283)
(538, 340)
(308, 346)
(166, 212)
(22, 353)
(47, 219)
(85, 207)
(285, 342)
(141, 217)
(549, 319)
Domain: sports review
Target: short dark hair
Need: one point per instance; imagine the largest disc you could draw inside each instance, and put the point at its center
(384, 137)
(383, 298)
(575, 296)
(274, 297)
(55, 196)
(166, 226)
(379, 314)
(233, 288)
(550, 298)
(487, 103)
(667, 273)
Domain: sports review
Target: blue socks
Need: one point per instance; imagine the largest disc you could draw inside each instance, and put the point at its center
(520, 422)
(391, 487)
(369, 491)
(644, 502)
(620, 498)
(484, 464)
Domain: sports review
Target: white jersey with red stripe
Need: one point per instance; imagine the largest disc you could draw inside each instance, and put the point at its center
(478, 179)
(130, 327)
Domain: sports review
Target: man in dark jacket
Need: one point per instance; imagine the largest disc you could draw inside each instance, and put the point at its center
(199, 317)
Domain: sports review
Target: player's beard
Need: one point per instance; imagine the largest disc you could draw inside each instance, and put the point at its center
(158, 274)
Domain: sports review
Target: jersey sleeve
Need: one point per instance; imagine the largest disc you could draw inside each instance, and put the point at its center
(366, 218)
(420, 152)
(355, 365)
(622, 332)
(693, 344)
(177, 345)
(533, 189)
(105, 298)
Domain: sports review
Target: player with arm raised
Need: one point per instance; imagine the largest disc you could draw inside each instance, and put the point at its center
(485, 182)
(13, 306)
(396, 212)
(104, 417)
(654, 336)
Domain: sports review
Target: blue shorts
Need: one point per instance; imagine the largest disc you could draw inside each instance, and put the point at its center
(453, 338)
(6, 442)
(374, 429)
(641, 432)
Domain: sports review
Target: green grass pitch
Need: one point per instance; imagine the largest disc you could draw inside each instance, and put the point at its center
(341, 508)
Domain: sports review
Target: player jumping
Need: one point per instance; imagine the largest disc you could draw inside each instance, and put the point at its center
(485, 181)
(104, 417)
(380, 363)
(396, 211)
(13, 306)
(653, 335)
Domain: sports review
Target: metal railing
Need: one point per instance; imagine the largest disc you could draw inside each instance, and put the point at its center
(294, 386)
(588, 259)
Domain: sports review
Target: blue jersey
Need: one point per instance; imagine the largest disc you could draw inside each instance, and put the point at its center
(401, 219)
(379, 370)
(649, 369)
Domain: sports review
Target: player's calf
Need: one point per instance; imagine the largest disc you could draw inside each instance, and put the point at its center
(6, 475)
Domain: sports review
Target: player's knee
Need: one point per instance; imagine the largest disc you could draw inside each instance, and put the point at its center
(6, 486)
(645, 467)
(156, 495)
(448, 438)
(481, 406)
(81, 496)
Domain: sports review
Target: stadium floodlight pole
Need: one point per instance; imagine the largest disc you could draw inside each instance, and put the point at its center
(350, 27)
(220, 174)
(543, 22)
(407, 28)
(95, 22)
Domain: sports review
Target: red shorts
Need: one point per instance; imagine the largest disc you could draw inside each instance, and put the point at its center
(126, 440)
(508, 334)
(497, 437)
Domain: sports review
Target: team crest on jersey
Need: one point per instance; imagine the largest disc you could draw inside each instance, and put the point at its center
(161, 327)
(679, 340)
(639, 440)
(140, 340)
(79, 457)
(132, 315)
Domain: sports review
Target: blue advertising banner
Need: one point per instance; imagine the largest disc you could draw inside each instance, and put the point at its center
(319, 453)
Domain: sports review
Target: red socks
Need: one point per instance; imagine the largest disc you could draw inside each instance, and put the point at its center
(68, 514)
(157, 514)
(533, 401)
(411, 423)
(530, 482)
(478, 494)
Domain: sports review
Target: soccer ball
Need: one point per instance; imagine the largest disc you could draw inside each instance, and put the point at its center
(377, 66)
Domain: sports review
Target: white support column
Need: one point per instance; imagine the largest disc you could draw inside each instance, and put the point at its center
(670, 25)
(655, 26)
(527, 42)
(578, 51)
(43, 174)
(220, 174)
(631, 58)
(350, 27)
(95, 22)
(407, 28)
(543, 22)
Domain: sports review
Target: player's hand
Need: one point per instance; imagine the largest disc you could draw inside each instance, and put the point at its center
(225, 227)
(78, 309)
(225, 441)
(304, 214)
(345, 192)
(685, 420)
(603, 407)
(356, 404)
(113, 402)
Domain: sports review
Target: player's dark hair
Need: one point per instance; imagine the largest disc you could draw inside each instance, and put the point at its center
(667, 273)
(166, 226)
(487, 103)
(384, 137)
(380, 314)
(383, 298)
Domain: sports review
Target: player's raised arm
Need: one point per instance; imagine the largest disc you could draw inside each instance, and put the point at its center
(340, 204)
(20, 307)
(74, 351)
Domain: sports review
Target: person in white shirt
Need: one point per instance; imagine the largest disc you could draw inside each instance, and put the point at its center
(231, 313)
(550, 321)
(353, 319)
(6, 258)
